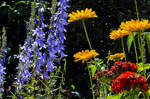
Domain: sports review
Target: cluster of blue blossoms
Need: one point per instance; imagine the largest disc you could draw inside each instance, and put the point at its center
(2, 61)
(44, 44)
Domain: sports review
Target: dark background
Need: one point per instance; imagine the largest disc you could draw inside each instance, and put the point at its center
(110, 14)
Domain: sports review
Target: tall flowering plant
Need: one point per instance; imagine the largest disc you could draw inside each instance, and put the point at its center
(44, 45)
(123, 77)
(2, 60)
(84, 55)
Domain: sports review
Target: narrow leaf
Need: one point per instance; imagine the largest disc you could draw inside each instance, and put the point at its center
(147, 38)
(93, 69)
(130, 40)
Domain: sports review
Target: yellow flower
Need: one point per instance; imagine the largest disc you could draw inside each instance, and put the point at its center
(117, 56)
(115, 34)
(135, 25)
(85, 55)
(83, 14)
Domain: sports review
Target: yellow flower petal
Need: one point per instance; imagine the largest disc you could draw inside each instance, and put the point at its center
(85, 55)
(119, 56)
(115, 34)
(83, 14)
(135, 25)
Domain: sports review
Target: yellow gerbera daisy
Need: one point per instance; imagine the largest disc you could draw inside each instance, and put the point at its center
(83, 14)
(115, 34)
(135, 25)
(117, 56)
(85, 55)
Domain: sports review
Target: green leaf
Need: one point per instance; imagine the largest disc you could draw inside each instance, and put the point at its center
(140, 67)
(139, 94)
(72, 86)
(29, 86)
(146, 66)
(147, 38)
(93, 69)
(143, 67)
(130, 40)
(4, 4)
(19, 2)
(148, 92)
(118, 96)
(148, 76)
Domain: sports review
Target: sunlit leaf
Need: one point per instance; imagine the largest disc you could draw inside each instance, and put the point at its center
(146, 66)
(118, 96)
(19, 2)
(73, 86)
(93, 69)
(29, 86)
(143, 67)
(130, 40)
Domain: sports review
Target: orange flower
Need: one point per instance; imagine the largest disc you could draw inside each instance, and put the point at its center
(135, 25)
(85, 55)
(115, 34)
(83, 14)
(118, 56)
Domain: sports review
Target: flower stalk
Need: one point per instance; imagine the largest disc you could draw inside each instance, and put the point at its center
(123, 48)
(86, 34)
(140, 39)
(135, 49)
(91, 82)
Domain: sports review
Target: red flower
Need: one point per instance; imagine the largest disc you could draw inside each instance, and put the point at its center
(120, 67)
(104, 74)
(116, 66)
(118, 63)
(127, 66)
(129, 80)
(101, 73)
(144, 88)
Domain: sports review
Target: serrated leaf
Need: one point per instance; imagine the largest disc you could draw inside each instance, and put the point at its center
(130, 40)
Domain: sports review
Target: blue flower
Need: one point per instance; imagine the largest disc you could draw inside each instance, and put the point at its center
(41, 48)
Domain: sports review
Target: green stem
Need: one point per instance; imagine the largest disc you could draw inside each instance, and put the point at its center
(63, 79)
(144, 96)
(140, 40)
(100, 92)
(86, 34)
(123, 48)
(136, 7)
(91, 82)
(135, 49)
(142, 51)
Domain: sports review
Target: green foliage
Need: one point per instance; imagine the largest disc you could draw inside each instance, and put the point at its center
(93, 69)
(130, 39)
(4, 4)
(95, 65)
(147, 38)
(118, 96)
(142, 67)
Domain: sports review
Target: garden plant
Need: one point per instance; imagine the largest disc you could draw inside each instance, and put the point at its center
(42, 58)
